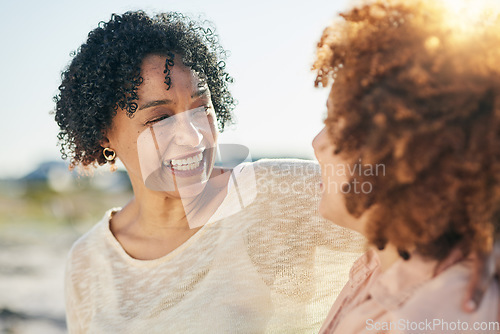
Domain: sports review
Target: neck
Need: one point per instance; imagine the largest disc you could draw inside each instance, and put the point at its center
(155, 213)
(387, 256)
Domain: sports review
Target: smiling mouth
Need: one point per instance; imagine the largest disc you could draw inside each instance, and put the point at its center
(185, 164)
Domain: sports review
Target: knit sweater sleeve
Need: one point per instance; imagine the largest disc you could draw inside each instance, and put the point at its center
(288, 199)
(302, 257)
(71, 301)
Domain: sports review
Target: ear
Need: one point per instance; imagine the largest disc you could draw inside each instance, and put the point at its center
(104, 142)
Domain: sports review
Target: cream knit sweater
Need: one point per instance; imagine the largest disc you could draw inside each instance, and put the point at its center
(273, 267)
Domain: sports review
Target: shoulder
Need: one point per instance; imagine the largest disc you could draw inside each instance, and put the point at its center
(80, 268)
(290, 178)
(285, 167)
(82, 249)
(282, 185)
(440, 300)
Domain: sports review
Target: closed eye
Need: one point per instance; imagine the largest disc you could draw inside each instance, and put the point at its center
(155, 120)
(205, 109)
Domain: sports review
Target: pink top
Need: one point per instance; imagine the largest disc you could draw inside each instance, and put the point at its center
(407, 298)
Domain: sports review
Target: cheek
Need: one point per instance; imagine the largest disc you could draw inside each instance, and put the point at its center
(332, 205)
(214, 131)
(332, 200)
(325, 206)
(129, 155)
(333, 179)
(211, 136)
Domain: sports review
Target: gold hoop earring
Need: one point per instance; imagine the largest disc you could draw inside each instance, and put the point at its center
(109, 154)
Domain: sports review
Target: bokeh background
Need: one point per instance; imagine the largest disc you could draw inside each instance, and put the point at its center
(44, 208)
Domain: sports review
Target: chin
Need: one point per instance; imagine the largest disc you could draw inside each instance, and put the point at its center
(192, 190)
(325, 210)
(336, 212)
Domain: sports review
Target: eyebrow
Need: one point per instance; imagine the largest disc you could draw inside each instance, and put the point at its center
(198, 93)
(155, 103)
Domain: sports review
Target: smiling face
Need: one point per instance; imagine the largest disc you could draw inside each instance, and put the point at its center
(169, 144)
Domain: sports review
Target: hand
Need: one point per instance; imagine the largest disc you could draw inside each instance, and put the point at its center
(484, 269)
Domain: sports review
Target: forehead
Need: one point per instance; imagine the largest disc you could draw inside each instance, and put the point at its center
(182, 77)
(329, 101)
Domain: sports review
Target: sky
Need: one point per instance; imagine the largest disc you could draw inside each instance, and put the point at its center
(271, 45)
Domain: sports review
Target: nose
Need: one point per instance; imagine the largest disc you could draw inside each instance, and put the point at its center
(186, 133)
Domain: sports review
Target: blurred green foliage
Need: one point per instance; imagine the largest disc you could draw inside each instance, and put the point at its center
(37, 202)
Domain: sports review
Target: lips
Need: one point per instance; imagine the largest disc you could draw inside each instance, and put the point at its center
(185, 163)
(188, 163)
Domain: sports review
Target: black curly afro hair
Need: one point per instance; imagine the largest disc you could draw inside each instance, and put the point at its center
(104, 76)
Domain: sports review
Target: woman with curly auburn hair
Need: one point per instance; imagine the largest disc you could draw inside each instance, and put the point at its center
(199, 248)
(414, 113)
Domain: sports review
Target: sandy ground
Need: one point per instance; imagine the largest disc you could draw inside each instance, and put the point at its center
(32, 261)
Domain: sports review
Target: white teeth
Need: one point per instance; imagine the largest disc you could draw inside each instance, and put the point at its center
(187, 164)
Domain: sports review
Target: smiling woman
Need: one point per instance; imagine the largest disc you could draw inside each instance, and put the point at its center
(106, 74)
(181, 123)
(199, 248)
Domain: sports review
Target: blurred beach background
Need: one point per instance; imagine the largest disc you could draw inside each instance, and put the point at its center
(44, 207)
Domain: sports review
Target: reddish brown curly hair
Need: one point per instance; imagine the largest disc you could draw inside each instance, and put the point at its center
(420, 95)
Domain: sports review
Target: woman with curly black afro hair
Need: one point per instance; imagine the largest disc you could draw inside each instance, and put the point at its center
(105, 74)
(198, 249)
